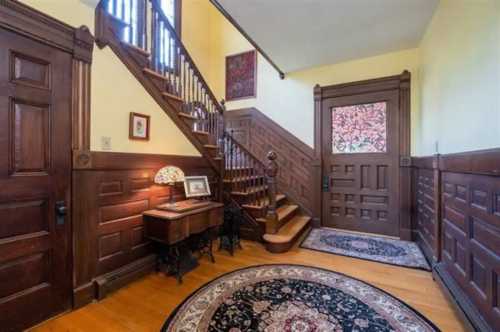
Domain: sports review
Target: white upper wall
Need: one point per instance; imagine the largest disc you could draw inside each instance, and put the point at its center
(460, 78)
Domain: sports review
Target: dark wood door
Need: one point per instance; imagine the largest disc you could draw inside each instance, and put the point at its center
(35, 173)
(361, 162)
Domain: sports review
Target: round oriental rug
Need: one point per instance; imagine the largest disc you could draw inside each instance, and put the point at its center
(283, 298)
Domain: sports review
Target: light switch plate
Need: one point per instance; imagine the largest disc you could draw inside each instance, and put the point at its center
(105, 143)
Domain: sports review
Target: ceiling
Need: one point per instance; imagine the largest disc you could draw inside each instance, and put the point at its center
(299, 34)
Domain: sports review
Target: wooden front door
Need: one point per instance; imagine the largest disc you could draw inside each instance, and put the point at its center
(35, 173)
(361, 152)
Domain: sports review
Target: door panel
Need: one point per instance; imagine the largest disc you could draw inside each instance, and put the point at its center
(361, 162)
(35, 165)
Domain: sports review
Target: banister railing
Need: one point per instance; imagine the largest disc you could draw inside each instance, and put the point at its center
(148, 28)
(245, 173)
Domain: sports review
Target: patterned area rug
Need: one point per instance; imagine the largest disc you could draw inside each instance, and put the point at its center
(374, 248)
(285, 298)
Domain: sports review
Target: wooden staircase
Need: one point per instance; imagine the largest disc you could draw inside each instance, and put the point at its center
(252, 184)
(150, 48)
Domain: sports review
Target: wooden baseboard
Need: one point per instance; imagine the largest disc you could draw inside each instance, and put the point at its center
(429, 255)
(116, 279)
(83, 295)
(468, 313)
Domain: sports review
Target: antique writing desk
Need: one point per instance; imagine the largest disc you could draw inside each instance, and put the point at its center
(178, 233)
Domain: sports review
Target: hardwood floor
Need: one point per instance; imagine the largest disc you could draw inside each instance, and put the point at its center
(145, 304)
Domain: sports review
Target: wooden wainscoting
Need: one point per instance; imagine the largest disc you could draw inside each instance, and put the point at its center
(456, 220)
(425, 214)
(259, 134)
(110, 192)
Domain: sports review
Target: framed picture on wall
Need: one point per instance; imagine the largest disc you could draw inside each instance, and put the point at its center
(139, 126)
(241, 76)
(196, 186)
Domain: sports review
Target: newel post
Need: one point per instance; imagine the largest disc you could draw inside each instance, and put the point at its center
(271, 173)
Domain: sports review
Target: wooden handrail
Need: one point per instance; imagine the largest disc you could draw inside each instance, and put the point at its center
(151, 34)
(156, 5)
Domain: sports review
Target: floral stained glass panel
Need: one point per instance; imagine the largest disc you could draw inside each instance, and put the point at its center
(359, 128)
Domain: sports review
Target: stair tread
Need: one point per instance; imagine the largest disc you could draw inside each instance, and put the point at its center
(251, 191)
(138, 49)
(187, 116)
(210, 146)
(289, 230)
(169, 95)
(283, 211)
(264, 203)
(154, 73)
(199, 132)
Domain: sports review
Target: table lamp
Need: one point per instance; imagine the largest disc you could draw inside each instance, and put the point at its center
(169, 175)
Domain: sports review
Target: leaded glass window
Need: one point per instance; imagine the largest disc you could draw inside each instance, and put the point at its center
(360, 128)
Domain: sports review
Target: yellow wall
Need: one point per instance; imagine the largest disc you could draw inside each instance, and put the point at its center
(196, 30)
(460, 78)
(289, 102)
(115, 93)
(455, 77)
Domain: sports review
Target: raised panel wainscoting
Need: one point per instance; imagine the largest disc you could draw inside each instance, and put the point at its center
(456, 221)
(110, 193)
(259, 134)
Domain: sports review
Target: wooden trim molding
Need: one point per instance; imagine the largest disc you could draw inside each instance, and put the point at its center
(238, 27)
(32, 23)
(485, 162)
(79, 42)
(96, 160)
(81, 105)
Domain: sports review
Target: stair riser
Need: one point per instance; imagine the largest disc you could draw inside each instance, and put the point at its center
(278, 248)
(286, 219)
(212, 152)
(261, 213)
(158, 82)
(249, 199)
(139, 57)
(232, 173)
(189, 122)
(242, 184)
(204, 139)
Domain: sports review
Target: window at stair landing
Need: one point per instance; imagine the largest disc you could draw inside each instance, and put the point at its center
(127, 10)
(360, 128)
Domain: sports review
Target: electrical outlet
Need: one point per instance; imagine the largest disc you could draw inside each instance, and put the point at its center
(106, 143)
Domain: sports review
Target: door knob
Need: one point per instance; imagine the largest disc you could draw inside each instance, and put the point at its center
(61, 212)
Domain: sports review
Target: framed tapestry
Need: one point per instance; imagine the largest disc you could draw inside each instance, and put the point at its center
(241, 76)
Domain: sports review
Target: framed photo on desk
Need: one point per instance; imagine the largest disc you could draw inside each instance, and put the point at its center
(196, 186)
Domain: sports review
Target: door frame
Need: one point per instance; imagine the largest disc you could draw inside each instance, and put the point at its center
(400, 83)
(28, 22)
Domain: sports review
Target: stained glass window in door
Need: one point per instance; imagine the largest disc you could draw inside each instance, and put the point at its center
(359, 128)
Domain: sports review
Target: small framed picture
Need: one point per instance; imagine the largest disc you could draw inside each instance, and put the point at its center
(139, 126)
(196, 186)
